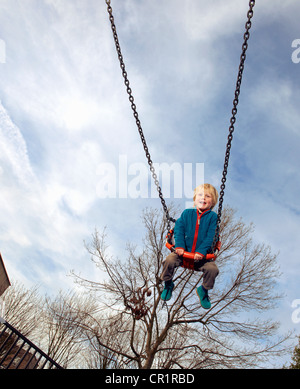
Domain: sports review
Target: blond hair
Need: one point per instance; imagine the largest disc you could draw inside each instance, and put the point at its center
(212, 191)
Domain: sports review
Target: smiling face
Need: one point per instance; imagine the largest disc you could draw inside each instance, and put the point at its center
(205, 197)
(203, 200)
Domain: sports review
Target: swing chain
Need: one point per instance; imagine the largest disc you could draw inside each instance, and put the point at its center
(234, 112)
(136, 116)
(232, 119)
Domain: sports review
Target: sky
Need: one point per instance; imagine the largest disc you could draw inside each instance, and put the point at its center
(71, 159)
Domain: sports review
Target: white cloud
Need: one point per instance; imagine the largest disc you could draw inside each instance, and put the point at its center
(13, 149)
(76, 113)
(210, 21)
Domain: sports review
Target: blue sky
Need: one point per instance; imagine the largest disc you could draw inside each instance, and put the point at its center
(64, 114)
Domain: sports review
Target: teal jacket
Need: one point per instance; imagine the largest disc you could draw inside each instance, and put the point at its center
(188, 237)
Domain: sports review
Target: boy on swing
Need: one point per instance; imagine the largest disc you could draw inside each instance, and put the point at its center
(194, 231)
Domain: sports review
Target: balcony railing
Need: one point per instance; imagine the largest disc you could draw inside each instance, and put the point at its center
(18, 352)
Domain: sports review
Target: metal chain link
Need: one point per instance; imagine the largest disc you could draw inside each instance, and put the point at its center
(135, 114)
(233, 117)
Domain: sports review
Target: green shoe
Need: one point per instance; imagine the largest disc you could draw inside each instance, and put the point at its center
(203, 296)
(167, 292)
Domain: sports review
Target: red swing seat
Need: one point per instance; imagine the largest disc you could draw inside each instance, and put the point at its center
(188, 258)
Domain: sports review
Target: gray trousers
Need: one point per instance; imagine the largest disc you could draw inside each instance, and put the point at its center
(210, 270)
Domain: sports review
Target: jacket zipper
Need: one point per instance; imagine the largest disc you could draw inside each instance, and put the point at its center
(197, 230)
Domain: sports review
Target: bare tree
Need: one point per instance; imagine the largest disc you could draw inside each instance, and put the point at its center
(62, 321)
(23, 308)
(295, 364)
(137, 329)
(121, 322)
(46, 322)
